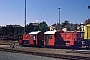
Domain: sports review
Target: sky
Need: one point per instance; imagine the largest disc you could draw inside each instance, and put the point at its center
(12, 11)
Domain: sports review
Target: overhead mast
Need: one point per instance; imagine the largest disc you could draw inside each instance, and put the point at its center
(25, 17)
(59, 15)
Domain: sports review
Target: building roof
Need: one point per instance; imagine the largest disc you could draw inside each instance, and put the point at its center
(13, 25)
(35, 24)
(50, 32)
(87, 21)
(36, 32)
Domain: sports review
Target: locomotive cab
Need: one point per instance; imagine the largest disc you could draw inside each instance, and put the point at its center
(37, 38)
(49, 38)
(25, 39)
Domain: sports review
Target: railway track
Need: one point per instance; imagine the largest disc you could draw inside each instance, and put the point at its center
(80, 52)
(60, 56)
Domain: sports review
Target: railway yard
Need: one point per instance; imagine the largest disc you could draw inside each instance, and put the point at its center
(47, 52)
(43, 36)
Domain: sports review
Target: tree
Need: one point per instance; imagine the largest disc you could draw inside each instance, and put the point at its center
(68, 28)
(35, 28)
(73, 27)
(30, 27)
(43, 26)
(11, 30)
(65, 23)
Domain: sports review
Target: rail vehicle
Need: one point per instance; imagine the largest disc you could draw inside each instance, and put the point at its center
(33, 39)
(11, 37)
(63, 38)
(53, 39)
(87, 35)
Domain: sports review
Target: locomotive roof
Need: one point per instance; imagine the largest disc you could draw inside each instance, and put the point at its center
(35, 32)
(50, 32)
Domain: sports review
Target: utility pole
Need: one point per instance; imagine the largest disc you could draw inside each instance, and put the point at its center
(88, 7)
(59, 15)
(25, 17)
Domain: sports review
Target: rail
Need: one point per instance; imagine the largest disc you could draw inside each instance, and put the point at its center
(60, 56)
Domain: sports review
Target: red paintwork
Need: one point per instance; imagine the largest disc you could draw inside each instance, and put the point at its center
(31, 40)
(26, 36)
(69, 38)
(39, 36)
(20, 41)
(51, 41)
(60, 38)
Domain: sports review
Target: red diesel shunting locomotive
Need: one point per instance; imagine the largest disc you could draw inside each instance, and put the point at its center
(33, 39)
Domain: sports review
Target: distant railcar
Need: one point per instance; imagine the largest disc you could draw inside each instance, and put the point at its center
(87, 35)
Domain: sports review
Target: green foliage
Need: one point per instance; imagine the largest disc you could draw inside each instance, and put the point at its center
(43, 26)
(11, 31)
(65, 23)
(16, 31)
(37, 26)
(68, 28)
(29, 27)
(72, 28)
